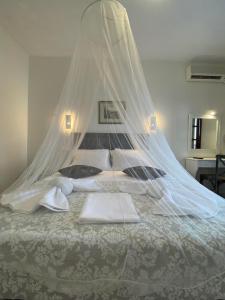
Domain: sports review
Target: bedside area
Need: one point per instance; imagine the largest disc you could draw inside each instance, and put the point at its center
(203, 145)
(203, 169)
(193, 165)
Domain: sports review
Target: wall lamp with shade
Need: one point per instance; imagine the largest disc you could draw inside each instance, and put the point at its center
(211, 114)
(150, 124)
(68, 122)
(153, 123)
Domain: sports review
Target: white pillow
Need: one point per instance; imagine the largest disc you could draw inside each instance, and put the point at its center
(123, 159)
(95, 158)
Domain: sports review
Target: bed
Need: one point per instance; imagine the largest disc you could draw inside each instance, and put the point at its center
(51, 256)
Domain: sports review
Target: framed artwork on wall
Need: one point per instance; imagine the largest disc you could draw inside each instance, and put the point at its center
(108, 113)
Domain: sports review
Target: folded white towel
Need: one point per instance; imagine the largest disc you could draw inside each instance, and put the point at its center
(55, 200)
(109, 208)
(28, 201)
(50, 192)
(25, 201)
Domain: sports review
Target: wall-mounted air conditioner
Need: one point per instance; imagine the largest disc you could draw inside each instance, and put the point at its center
(206, 73)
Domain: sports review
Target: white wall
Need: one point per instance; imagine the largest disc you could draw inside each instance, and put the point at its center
(174, 98)
(46, 78)
(13, 109)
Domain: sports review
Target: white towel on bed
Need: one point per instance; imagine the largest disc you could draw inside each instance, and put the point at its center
(50, 192)
(109, 208)
(29, 200)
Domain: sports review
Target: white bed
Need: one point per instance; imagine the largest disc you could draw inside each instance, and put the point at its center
(48, 255)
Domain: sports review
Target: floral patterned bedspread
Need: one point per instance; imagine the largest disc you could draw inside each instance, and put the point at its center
(49, 255)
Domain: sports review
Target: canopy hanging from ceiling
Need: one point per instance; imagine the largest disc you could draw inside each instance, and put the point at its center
(106, 66)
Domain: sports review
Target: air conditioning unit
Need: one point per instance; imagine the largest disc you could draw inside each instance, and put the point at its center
(205, 73)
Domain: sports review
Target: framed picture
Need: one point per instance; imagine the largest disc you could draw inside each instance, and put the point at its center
(108, 113)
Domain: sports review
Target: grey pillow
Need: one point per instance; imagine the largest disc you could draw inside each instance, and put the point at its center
(79, 171)
(144, 173)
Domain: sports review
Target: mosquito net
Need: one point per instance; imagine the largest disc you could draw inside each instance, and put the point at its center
(106, 66)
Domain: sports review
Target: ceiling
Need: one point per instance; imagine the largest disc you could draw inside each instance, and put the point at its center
(181, 30)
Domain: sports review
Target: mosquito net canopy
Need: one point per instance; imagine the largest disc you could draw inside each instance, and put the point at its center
(106, 66)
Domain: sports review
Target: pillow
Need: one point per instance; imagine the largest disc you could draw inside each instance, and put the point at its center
(123, 159)
(96, 158)
(144, 173)
(79, 171)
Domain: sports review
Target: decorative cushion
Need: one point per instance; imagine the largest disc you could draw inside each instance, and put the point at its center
(79, 171)
(144, 173)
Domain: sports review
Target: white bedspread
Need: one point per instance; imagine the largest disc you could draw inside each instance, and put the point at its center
(52, 193)
(109, 208)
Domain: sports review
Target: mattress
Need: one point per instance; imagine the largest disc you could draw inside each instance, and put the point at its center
(50, 256)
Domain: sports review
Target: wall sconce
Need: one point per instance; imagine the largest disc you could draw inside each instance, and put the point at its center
(68, 122)
(153, 123)
(211, 114)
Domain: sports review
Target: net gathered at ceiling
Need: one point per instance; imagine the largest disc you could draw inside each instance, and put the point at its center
(106, 66)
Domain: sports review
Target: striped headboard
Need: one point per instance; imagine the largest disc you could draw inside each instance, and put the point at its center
(93, 140)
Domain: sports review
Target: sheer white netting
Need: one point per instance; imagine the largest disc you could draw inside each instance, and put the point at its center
(106, 66)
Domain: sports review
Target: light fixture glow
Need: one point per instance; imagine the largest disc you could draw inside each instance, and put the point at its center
(153, 123)
(68, 123)
(212, 113)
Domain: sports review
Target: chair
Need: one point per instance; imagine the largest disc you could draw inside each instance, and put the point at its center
(220, 172)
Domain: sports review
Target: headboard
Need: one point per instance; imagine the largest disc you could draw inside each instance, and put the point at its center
(109, 141)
